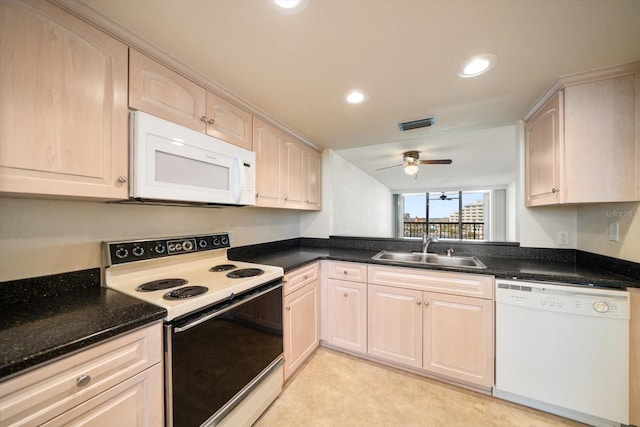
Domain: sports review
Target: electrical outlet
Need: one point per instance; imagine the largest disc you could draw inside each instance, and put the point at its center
(614, 231)
(563, 237)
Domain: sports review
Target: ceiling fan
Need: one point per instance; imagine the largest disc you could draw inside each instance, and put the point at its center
(411, 162)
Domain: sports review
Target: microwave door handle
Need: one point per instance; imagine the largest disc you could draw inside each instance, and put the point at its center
(238, 184)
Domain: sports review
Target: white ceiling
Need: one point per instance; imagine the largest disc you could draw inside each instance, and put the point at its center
(404, 54)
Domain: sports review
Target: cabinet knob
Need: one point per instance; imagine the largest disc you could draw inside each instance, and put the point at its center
(288, 308)
(257, 195)
(286, 199)
(346, 294)
(305, 277)
(203, 119)
(122, 179)
(345, 272)
(426, 303)
(211, 122)
(418, 302)
(83, 380)
(555, 190)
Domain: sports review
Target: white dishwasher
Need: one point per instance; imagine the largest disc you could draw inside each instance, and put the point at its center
(564, 350)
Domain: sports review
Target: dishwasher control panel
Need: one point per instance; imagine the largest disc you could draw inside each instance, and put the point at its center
(564, 298)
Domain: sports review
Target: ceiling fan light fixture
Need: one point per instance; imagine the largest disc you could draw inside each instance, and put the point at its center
(477, 65)
(411, 169)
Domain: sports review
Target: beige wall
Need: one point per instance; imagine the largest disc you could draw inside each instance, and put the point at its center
(40, 237)
(593, 229)
(353, 203)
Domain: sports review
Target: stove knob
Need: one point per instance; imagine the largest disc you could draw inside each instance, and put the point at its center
(187, 245)
(225, 240)
(138, 251)
(159, 248)
(122, 253)
(202, 243)
(216, 241)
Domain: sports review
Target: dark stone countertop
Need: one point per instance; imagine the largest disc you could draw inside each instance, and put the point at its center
(292, 258)
(63, 319)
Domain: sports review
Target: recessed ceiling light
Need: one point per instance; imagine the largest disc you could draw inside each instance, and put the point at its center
(290, 7)
(477, 65)
(355, 96)
(287, 4)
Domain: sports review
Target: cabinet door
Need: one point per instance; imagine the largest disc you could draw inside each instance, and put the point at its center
(313, 180)
(347, 315)
(458, 337)
(136, 402)
(63, 120)
(543, 154)
(267, 144)
(600, 141)
(228, 122)
(292, 173)
(301, 326)
(157, 90)
(395, 324)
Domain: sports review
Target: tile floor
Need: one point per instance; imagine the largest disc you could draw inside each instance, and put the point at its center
(336, 389)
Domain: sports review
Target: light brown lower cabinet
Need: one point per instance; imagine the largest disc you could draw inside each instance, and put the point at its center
(458, 337)
(118, 382)
(301, 317)
(347, 315)
(443, 334)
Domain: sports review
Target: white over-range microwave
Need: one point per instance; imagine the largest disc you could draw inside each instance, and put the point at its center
(174, 164)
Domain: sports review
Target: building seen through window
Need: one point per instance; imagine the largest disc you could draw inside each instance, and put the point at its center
(446, 215)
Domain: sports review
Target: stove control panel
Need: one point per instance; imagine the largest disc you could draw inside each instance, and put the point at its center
(139, 250)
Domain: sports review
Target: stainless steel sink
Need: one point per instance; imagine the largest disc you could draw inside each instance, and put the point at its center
(431, 259)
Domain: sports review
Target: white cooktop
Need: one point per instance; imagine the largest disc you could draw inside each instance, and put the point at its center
(195, 269)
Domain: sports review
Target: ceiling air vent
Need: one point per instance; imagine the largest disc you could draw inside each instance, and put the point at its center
(416, 124)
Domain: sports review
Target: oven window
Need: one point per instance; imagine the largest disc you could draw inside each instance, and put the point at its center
(185, 171)
(214, 360)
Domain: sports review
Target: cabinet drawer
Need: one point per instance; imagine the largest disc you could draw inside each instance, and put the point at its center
(296, 279)
(41, 394)
(474, 285)
(350, 271)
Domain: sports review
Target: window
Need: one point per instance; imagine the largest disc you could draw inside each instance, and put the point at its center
(446, 215)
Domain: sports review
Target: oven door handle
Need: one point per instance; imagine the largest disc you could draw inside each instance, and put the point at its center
(217, 313)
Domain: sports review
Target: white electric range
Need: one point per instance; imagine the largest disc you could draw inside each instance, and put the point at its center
(223, 334)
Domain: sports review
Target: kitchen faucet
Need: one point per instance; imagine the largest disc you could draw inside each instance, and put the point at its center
(426, 240)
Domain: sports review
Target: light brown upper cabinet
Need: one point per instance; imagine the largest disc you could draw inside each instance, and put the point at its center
(63, 109)
(301, 180)
(228, 122)
(312, 178)
(157, 90)
(292, 170)
(268, 143)
(288, 170)
(582, 144)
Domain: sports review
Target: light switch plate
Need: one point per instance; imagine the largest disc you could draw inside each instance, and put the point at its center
(614, 231)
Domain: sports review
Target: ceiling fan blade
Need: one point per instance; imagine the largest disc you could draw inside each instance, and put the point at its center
(435, 162)
(389, 167)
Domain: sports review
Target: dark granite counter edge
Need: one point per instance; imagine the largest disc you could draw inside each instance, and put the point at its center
(34, 361)
(20, 302)
(614, 280)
